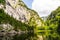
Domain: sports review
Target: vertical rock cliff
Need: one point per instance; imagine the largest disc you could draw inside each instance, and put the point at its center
(18, 10)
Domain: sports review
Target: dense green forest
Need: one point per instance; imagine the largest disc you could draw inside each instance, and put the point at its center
(53, 22)
(2, 2)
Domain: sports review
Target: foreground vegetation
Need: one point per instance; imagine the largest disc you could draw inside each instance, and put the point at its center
(18, 25)
(51, 29)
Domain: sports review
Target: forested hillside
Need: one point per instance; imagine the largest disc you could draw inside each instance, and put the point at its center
(53, 24)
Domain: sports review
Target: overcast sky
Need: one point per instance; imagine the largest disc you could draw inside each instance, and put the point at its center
(43, 7)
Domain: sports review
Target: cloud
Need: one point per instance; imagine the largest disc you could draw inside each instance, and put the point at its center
(44, 7)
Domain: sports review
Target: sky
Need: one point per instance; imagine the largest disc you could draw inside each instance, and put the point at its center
(28, 3)
(43, 7)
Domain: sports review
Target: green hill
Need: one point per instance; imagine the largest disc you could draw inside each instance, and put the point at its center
(53, 23)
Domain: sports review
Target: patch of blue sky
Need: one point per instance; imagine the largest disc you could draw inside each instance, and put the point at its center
(28, 3)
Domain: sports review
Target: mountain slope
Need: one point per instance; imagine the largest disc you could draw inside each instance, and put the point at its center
(54, 17)
(16, 17)
(53, 24)
(18, 10)
(6, 19)
(10, 27)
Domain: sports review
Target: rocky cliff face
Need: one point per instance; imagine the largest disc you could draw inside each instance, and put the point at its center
(22, 16)
(18, 10)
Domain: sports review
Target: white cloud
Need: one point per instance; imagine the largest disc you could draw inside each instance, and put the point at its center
(44, 7)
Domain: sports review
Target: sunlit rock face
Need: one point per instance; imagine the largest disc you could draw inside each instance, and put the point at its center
(6, 27)
(13, 3)
(1, 6)
(14, 9)
(18, 10)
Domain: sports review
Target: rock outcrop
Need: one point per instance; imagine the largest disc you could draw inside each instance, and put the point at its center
(18, 10)
(22, 15)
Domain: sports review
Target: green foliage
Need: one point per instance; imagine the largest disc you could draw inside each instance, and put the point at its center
(51, 29)
(53, 19)
(34, 18)
(21, 3)
(25, 36)
(1, 28)
(53, 22)
(2, 1)
(5, 18)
